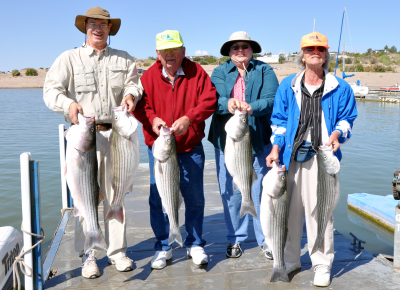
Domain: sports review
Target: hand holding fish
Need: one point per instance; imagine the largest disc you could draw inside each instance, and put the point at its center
(234, 104)
(157, 124)
(74, 109)
(333, 139)
(181, 125)
(128, 100)
(273, 156)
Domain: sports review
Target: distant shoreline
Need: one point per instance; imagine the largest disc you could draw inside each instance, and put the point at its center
(370, 79)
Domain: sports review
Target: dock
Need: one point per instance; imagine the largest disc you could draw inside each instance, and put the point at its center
(350, 270)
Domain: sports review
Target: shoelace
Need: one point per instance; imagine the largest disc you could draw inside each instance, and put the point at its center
(89, 257)
(321, 267)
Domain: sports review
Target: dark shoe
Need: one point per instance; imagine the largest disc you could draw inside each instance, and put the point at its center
(233, 251)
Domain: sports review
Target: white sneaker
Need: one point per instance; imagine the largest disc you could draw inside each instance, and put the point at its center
(291, 267)
(198, 255)
(322, 275)
(160, 259)
(122, 264)
(89, 266)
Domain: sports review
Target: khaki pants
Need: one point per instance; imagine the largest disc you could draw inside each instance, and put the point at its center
(302, 195)
(115, 232)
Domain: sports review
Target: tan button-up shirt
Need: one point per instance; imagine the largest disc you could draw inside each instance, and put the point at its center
(96, 81)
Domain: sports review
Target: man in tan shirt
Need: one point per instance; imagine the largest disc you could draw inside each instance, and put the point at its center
(91, 80)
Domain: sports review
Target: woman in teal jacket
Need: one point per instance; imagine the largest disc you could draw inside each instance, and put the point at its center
(246, 84)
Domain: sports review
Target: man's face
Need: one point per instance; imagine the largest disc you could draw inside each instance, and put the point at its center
(171, 58)
(97, 31)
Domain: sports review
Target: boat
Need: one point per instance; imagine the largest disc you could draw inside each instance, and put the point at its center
(394, 88)
(358, 89)
(10, 247)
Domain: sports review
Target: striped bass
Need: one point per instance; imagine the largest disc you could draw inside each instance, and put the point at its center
(274, 211)
(125, 156)
(328, 192)
(167, 175)
(81, 175)
(239, 159)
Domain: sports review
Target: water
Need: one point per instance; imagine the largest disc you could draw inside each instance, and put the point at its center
(370, 159)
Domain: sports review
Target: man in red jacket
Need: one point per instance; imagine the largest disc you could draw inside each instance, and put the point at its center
(178, 93)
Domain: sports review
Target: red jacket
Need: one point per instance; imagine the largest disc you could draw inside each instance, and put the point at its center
(193, 96)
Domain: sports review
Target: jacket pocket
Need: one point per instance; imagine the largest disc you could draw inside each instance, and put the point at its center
(84, 79)
(117, 74)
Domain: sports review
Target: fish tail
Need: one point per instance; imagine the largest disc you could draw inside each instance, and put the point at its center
(95, 240)
(175, 236)
(318, 246)
(279, 274)
(115, 213)
(247, 207)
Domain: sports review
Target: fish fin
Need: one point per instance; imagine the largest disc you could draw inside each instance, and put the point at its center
(101, 196)
(175, 236)
(180, 200)
(254, 177)
(314, 212)
(77, 212)
(318, 246)
(247, 207)
(159, 168)
(95, 240)
(112, 182)
(66, 132)
(279, 274)
(115, 213)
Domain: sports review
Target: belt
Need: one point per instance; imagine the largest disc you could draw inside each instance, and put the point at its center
(104, 127)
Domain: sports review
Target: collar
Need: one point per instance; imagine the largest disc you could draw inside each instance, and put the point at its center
(232, 67)
(330, 82)
(180, 72)
(90, 50)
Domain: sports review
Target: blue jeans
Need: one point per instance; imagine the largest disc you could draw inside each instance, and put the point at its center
(191, 165)
(232, 199)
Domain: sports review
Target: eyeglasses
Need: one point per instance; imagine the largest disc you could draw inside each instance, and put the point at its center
(312, 48)
(171, 50)
(102, 26)
(243, 46)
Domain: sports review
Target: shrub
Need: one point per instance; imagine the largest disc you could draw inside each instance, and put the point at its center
(146, 64)
(203, 62)
(367, 68)
(210, 60)
(373, 60)
(196, 59)
(31, 72)
(281, 59)
(224, 59)
(348, 60)
(389, 68)
(360, 68)
(385, 60)
(15, 73)
(378, 68)
(151, 58)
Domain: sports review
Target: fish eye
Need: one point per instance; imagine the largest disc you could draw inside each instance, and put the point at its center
(283, 178)
(325, 157)
(168, 141)
(92, 129)
(116, 117)
(244, 120)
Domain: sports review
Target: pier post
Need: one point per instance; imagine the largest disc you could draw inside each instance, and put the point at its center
(396, 252)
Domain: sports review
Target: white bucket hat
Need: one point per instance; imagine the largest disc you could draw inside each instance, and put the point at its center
(239, 36)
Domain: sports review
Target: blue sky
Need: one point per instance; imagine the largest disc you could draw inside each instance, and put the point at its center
(34, 33)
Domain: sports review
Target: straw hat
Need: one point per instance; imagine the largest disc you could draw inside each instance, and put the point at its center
(239, 36)
(97, 13)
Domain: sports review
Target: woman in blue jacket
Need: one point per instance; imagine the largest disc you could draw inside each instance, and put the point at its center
(311, 108)
(248, 85)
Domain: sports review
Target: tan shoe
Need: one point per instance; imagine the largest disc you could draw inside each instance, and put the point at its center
(89, 266)
(122, 264)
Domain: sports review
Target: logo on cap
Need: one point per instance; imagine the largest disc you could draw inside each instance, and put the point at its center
(315, 38)
(166, 37)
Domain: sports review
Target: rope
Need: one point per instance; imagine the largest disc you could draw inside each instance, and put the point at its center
(65, 209)
(20, 261)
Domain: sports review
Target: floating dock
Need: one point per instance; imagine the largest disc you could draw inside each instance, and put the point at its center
(351, 270)
(380, 209)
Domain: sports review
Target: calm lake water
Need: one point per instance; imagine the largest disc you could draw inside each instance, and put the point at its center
(369, 160)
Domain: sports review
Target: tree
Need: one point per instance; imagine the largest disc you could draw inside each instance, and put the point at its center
(393, 49)
(255, 55)
(369, 50)
(386, 47)
(281, 58)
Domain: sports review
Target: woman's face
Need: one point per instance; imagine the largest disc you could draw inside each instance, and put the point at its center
(241, 52)
(314, 56)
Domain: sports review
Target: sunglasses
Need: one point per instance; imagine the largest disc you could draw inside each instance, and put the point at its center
(172, 50)
(243, 46)
(312, 48)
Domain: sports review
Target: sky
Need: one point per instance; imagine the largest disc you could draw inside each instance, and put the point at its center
(35, 33)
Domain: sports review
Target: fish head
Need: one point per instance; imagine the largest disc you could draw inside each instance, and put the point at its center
(282, 176)
(125, 124)
(329, 160)
(238, 125)
(164, 144)
(84, 136)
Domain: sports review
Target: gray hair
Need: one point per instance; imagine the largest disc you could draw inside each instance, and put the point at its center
(299, 60)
